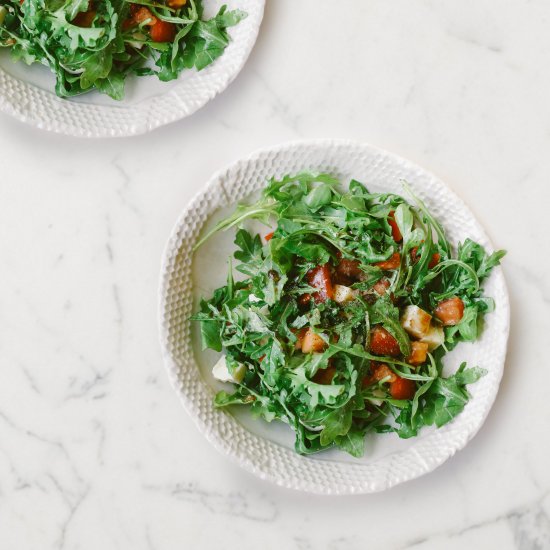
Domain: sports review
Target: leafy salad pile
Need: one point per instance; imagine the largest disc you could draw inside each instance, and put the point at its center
(344, 312)
(95, 44)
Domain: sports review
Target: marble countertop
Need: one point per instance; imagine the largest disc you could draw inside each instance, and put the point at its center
(96, 451)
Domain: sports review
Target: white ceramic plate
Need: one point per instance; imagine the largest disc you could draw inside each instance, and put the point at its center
(266, 449)
(27, 93)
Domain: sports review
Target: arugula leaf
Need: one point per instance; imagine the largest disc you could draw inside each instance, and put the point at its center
(466, 376)
(353, 442)
(318, 197)
(468, 328)
(250, 247)
(316, 253)
(112, 85)
(337, 423)
(207, 40)
(447, 397)
(210, 334)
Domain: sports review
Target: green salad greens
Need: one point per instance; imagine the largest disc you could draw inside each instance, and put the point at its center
(344, 312)
(93, 44)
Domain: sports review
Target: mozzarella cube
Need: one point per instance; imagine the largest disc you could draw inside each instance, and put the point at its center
(343, 294)
(434, 338)
(220, 372)
(416, 321)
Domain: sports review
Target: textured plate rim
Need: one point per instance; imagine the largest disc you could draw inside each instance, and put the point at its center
(245, 462)
(177, 109)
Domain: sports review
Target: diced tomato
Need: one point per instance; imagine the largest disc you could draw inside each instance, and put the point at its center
(436, 257)
(434, 261)
(383, 343)
(319, 277)
(176, 3)
(402, 388)
(269, 236)
(339, 279)
(299, 333)
(379, 371)
(84, 19)
(304, 299)
(313, 343)
(395, 232)
(393, 262)
(349, 268)
(140, 14)
(450, 311)
(419, 353)
(261, 358)
(162, 31)
(381, 286)
(325, 376)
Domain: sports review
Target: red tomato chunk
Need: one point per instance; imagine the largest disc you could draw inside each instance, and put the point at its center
(84, 19)
(380, 371)
(162, 31)
(402, 388)
(324, 376)
(313, 343)
(300, 335)
(395, 232)
(450, 311)
(434, 261)
(319, 277)
(393, 262)
(383, 343)
(349, 268)
(381, 286)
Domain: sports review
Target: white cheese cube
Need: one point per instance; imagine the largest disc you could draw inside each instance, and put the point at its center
(416, 321)
(343, 294)
(221, 372)
(434, 338)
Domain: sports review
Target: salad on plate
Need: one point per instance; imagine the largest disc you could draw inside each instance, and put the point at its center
(95, 45)
(343, 311)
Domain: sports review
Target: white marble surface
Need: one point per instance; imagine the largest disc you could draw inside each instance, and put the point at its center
(95, 449)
